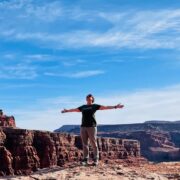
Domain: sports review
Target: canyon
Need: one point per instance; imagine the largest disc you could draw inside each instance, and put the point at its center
(34, 154)
(25, 151)
(160, 140)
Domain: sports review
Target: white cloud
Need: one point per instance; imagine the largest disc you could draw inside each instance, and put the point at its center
(84, 74)
(140, 106)
(158, 22)
(16, 4)
(73, 62)
(128, 29)
(18, 71)
(9, 56)
(39, 58)
(81, 74)
(47, 12)
(45, 114)
(144, 105)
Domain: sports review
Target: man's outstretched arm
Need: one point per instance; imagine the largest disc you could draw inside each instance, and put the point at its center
(118, 106)
(70, 110)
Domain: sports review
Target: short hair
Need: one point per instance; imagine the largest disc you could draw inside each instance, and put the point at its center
(90, 95)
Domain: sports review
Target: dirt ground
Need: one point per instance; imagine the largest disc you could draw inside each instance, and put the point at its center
(107, 171)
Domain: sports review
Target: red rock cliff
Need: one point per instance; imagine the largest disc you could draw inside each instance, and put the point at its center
(24, 151)
(7, 121)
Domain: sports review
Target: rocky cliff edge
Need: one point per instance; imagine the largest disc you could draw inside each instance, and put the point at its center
(24, 151)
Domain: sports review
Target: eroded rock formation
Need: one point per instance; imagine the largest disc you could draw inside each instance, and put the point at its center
(24, 151)
(155, 145)
(160, 140)
(7, 121)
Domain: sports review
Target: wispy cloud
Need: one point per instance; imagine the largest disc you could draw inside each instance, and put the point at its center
(140, 106)
(133, 29)
(47, 12)
(38, 10)
(20, 71)
(30, 66)
(39, 58)
(86, 74)
(81, 74)
(28, 58)
(73, 62)
(9, 56)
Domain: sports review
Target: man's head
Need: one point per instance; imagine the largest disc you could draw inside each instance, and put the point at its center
(90, 98)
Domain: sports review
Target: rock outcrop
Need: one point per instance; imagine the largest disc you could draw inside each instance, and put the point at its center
(155, 146)
(160, 140)
(24, 151)
(7, 121)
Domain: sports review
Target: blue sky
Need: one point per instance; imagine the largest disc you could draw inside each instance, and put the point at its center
(53, 53)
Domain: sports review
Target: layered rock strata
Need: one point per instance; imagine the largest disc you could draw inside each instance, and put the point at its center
(24, 151)
(160, 140)
(156, 146)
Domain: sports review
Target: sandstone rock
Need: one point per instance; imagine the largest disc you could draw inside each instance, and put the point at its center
(2, 137)
(19, 143)
(155, 145)
(160, 140)
(24, 151)
(7, 121)
(6, 160)
(46, 149)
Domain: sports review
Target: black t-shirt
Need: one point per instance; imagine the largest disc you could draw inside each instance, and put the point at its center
(88, 115)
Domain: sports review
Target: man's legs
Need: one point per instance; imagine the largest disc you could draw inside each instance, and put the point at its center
(92, 133)
(84, 138)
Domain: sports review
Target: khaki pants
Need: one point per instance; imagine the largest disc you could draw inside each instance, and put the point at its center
(91, 134)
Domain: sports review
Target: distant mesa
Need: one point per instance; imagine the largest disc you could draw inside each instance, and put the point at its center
(162, 121)
(147, 125)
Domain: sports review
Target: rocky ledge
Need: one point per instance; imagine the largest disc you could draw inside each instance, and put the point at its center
(24, 151)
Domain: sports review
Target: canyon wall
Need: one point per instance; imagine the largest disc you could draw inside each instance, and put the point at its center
(160, 140)
(24, 151)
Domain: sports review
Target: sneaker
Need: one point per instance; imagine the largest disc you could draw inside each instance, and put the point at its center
(84, 162)
(95, 163)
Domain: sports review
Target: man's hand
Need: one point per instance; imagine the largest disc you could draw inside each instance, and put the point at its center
(119, 106)
(64, 111)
